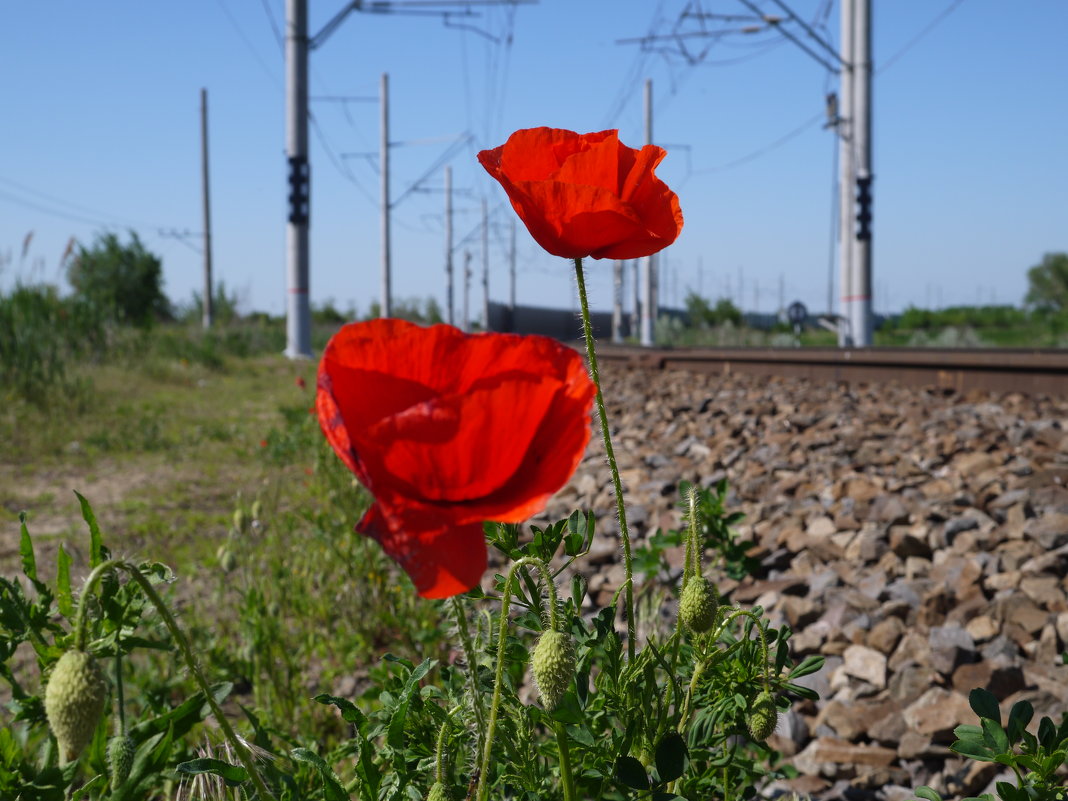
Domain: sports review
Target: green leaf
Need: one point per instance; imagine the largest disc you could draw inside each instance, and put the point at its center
(995, 737)
(975, 749)
(810, 664)
(968, 731)
(332, 789)
(349, 711)
(928, 793)
(395, 732)
(670, 756)
(1019, 716)
(984, 704)
(1047, 733)
(96, 548)
(63, 595)
(630, 772)
(233, 775)
(29, 562)
(92, 784)
(568, 709)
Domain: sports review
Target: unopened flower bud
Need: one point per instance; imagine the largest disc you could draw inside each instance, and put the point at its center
(763, 717)
(120, 758)
(240, 520)
(697, 606)
(74, 702)
(553, 666)
(437, 792)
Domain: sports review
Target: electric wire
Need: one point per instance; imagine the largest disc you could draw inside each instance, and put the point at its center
(761, 151)
(934, 23)
(95, 216)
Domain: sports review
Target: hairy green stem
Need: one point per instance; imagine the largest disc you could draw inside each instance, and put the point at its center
(120, 712)
(472, 668)
(760, 631)
(498, 675)
(439, 754)
(566, 777)
(81, 634)
(591, 356)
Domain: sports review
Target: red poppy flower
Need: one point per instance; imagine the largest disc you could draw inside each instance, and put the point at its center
(447, 430)
(586, 194)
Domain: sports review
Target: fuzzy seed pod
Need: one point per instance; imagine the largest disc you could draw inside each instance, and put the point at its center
(763, 717)
(437, 792)
(697, 606)
(74, 702)
(240, 520)
(226, 557)
(553, 666)
(120, 758)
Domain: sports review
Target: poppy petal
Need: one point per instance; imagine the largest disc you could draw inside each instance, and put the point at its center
(442, 559)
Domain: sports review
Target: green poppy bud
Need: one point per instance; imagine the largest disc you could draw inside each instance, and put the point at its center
(74, 702)
(257, 510)
(240, 520)
(763, 717)
(120, 758)
(553, 666)
(437, 792)
(697, 606)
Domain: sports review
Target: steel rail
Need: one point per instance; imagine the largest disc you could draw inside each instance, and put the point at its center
(1030, 371)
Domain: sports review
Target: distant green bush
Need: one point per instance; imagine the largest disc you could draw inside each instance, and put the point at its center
(122, 282)
(41, 335)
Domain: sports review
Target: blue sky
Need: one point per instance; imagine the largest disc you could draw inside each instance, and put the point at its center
(101, 131)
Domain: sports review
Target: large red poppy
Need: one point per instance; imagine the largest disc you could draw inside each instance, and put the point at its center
(586, 194)
(447, 430)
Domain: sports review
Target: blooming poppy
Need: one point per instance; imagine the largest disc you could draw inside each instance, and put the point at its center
(447, 430)
(586, 194)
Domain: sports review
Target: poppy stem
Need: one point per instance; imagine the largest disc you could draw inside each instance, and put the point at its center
(591, 356)
(186, 650)
(472, 667)
(498, 677)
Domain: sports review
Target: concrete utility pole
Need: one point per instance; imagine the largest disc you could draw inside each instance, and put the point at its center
(387, 295)
(511, 271)
(861, 321)
(617, 301)
(485, 267)
(298, 309)
(466, 327)
(636, 306)
(208, 306)
(855, 177)
(297, 46)
(648, 309)
(449, 317)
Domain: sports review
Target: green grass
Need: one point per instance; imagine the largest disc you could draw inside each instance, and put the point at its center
(168, 438)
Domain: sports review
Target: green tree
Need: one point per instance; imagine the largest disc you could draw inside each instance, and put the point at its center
(702, 314)
(124, 282)
(1048, 284)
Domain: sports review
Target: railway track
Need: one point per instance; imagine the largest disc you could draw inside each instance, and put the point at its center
(1033, 371)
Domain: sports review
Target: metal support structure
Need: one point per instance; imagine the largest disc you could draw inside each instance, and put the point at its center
(617, 301)
(648, 268)
(387, 295)
(207, 306)
(861, 321)
(298, 308)
(636, 304)
(449, 317)
(466, 326)
(845, 178)
(485, 266)
(511, 270)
